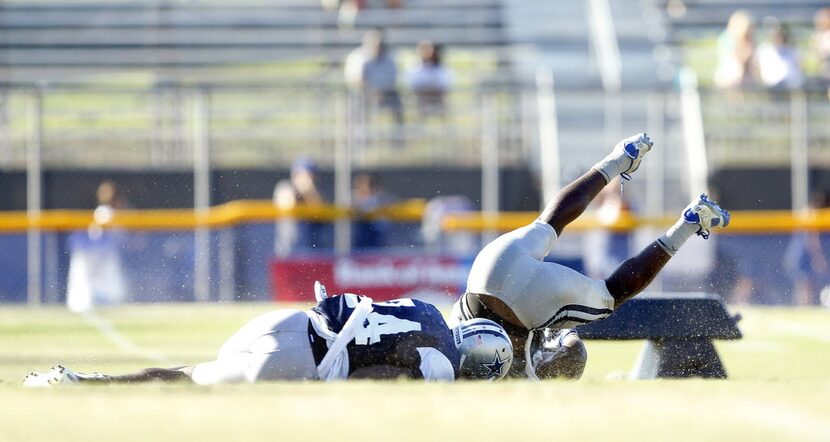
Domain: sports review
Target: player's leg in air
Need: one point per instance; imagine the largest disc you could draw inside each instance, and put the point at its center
(539, 302)
(272, 346)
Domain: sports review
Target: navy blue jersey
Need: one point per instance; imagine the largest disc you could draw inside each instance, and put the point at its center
(391, 333)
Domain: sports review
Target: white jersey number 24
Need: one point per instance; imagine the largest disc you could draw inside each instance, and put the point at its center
(377, 325)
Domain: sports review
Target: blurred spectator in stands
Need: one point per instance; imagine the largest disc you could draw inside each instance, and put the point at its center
(369, 195)
(430, 80)
(821, 45)
(778, 63)
(606, 247)
(805, 260)
(301, 189)
(96, 274)
(348, 10)
(371, 71)
(736, 53)
(730, 273)
(109, 200)
(459, 243)
(730, 278)
(330, 5)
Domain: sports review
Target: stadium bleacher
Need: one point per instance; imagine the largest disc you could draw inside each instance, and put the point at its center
(47, 40)
(692, 26)
(118, 82)
(752, 130)
(590, 118)
(146, 53)
(706, 18)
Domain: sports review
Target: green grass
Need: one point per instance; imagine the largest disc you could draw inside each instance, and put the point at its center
(778, 389)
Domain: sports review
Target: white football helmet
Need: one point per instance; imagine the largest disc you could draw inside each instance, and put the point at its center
(486, 350)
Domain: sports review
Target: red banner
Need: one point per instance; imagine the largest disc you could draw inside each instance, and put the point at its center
(381, 277)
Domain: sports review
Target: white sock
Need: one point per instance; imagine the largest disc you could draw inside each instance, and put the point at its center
(613, 165)
(677, 235)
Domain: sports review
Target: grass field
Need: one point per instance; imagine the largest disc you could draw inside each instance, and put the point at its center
(779, 388)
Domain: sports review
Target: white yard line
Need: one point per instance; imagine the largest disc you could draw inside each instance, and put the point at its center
(127, 346)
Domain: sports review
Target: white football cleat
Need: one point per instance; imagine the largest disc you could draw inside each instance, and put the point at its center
(36, 380)
(60, 375)
(707, 214)
(54, 376)
(635, 148)
(625, 157)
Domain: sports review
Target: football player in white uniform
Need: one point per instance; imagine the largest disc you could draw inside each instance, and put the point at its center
(342, 337)
(538, 302)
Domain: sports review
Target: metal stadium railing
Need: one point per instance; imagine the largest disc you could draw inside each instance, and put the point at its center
(198, 128)
(153, 256)
(253, 126)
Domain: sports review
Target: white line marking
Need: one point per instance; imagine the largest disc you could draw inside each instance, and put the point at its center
(106, 328)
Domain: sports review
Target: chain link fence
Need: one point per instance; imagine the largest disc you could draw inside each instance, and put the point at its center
(250, 127)
(148, 142)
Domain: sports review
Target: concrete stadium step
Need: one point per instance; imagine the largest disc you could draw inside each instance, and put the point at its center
(150, 18)
(572, 68)
(707, 18)
(189, 35)
(228, 36)
(564, 43)
(582, 135)
(537, 20)
(148, 57)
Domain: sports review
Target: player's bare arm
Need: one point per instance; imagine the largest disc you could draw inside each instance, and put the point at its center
(570, 202)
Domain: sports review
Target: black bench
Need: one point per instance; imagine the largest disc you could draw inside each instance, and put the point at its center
(679, 329)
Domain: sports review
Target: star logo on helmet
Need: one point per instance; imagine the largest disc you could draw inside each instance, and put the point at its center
(494, 368)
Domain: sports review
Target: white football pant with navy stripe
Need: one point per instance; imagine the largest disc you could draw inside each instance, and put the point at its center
(541, 294)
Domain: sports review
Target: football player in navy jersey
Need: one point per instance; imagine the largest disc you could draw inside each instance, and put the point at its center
(538, 302)
(341, 337)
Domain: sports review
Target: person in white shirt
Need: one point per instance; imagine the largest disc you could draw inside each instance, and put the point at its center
(430, 79)
(778, 60)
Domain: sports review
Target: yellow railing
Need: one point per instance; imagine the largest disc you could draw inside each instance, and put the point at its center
(229, 214)
(744, 222)
(240, 212)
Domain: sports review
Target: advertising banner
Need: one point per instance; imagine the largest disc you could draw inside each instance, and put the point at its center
(381, 277)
